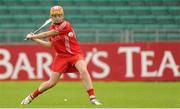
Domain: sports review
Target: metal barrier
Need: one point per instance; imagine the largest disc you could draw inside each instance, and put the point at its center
(101, 35)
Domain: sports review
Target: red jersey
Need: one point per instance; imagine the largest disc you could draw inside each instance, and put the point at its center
(65, 42)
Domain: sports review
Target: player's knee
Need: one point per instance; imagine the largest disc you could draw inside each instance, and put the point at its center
(83, 72)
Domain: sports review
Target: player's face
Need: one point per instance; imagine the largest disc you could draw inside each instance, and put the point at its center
(57, 18)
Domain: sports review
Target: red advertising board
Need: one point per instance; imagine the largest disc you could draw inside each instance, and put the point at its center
(148, 61)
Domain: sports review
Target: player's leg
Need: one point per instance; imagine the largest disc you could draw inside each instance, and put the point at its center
(50, 83)
(54, 78)
(82, 68)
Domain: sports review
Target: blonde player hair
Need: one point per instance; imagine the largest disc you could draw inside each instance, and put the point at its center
(56, 10)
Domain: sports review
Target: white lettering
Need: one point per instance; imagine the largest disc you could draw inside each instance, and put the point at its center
(104, 66)
(43, 66)
(172, 65)
(129, 59)
(70, 74)
(145, 63)
(23, 64)
(5, 62)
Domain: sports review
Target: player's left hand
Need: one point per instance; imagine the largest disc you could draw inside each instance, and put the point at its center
(30, 36)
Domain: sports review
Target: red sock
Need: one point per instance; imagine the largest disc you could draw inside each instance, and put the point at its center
(35, 93)
(91, 93)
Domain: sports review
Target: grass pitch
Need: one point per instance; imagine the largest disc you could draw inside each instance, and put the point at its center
(111, 94)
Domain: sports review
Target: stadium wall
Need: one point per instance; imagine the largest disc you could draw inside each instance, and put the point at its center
(148, 61)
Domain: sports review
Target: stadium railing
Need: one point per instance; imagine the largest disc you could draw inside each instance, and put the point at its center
(102, 35)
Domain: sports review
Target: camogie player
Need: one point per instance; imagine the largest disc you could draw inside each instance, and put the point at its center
(68, 57)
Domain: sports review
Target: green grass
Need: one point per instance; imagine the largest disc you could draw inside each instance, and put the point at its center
(112, 95)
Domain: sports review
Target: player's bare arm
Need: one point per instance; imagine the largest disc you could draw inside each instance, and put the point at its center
(42, 35)
(42, 42)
